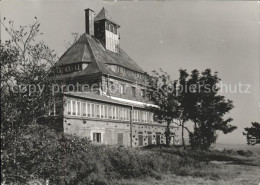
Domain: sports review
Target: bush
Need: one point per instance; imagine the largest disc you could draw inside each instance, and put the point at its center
(246, 153)
(43, 153)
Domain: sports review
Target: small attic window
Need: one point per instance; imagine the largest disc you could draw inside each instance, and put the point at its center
(58, 70)
(118, 69)
(67, 68)
(77, 67)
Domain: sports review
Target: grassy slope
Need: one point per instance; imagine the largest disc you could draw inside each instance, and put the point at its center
(226, 167)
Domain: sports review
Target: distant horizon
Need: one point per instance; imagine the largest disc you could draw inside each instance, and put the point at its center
(222, 36)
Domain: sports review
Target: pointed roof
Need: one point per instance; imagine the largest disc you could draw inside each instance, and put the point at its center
(89, 50)
(104, 15)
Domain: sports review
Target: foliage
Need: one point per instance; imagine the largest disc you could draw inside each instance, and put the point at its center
(164, 97)
(253, 133)
(193, 97)
(27, 76)
(43, 153)
(209, 110)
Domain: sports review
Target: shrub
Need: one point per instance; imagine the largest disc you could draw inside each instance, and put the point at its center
(246, 153)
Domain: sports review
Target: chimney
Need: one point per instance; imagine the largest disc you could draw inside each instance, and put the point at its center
(89, 21)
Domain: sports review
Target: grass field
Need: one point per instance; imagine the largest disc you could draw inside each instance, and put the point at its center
(221, 168)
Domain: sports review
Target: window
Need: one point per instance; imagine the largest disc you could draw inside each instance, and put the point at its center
(115, 30)
(117, 113)
(128, 114)
(110, 27)
(114, 112)
(69, 108)
(92, 110)
(78, 108)
(142, 93)
(68, 68)
(133, 91)
(101, 111)
(135, 116)
(73, 108)
(107, 26)
(123, 70)
(77, 67)
(140, 139)
(97, 137)
(140, 116)
(146, 117)
(58, 70)
(121, 89)
(105, 109)
(120, 139)
(98, 111)
(84, 109)
(120, 112)
(88, 109)
(125, 114)
(112, 86)
(110, 113)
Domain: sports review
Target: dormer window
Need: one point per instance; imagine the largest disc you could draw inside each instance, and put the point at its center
(58, 70)
(67, 69)
(77, 67)
(118, 69)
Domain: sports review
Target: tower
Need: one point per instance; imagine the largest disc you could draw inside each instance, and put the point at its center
(106, 31)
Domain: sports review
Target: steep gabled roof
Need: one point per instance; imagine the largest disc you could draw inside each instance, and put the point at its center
(103, 14)
(89, 50)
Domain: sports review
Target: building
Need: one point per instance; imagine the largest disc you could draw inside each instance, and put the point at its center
(106, 94)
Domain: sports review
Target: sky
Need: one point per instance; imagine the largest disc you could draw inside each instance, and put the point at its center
(220, 35)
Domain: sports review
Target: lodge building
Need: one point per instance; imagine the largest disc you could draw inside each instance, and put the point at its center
(111, 106)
